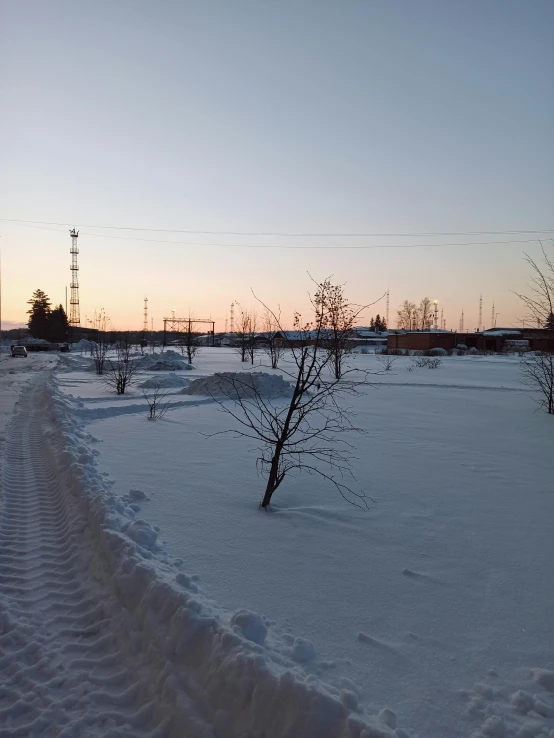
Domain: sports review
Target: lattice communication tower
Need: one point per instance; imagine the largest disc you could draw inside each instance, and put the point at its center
(74, 312)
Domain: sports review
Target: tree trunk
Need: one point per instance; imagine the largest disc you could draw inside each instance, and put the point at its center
(273, 475)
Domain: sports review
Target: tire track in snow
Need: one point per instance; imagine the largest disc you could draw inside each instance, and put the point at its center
(70, 663)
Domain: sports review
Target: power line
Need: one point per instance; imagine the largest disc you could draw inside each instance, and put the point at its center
(292, 247)
(283, 234)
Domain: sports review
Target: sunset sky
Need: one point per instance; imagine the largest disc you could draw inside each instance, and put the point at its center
(222, 118)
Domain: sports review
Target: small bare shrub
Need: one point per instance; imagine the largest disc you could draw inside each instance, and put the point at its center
(433, 363)
(425, 362)
(156, 398)
(386, 362)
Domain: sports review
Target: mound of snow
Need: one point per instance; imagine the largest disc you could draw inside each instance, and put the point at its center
(82, 345)
(169, 361)
(165, 381)
(171, 355)
(240, 384)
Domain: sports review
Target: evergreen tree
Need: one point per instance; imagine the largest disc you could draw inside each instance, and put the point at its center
(372, 324)
(39, 314)
(58, 324)
(380, 324)
(550, 322)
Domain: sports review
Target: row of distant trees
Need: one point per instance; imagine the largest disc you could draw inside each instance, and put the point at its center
(46, 322)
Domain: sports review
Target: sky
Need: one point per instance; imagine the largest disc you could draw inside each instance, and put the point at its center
(224, 118)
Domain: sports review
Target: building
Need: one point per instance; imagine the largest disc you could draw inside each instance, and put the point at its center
(497, 340)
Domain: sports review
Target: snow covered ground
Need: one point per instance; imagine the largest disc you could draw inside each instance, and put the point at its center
(428, 615)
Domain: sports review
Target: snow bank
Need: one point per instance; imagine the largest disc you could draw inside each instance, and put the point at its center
(246, 687)
(240, 384)
(165, 381)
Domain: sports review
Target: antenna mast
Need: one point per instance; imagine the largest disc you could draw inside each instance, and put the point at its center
(493, 317)
(232, 317)
(388, 300)
(145, 326)
(74, 312)
(480, 325)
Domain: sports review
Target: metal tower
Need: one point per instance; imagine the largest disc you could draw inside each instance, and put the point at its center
(145, 325)
(480, 325)
(436, 314)
(462, 322)
(493, 317)
(442, 318)
(388, 300)
(232, 317)
(74, 314)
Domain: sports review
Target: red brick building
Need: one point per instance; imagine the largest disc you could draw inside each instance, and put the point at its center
(498, 340)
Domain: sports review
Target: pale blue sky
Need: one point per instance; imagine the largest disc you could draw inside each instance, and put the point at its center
(274, 115)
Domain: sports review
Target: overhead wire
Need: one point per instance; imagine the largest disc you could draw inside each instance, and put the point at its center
(283, 234)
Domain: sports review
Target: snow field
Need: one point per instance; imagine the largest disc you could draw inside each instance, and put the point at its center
(406, 605)
(210, 672)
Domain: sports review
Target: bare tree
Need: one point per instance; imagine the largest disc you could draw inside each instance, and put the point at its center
(424, 315)
(540, 303)
(538, 373)
(338, 317)
(99, 348)
(407, 316)
(304, 433)
(246, 335)
(122, 371)
(156, 397)
(275, 347)
(538, 367)
(188, 341)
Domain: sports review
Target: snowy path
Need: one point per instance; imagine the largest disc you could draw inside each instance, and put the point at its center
(66, 667)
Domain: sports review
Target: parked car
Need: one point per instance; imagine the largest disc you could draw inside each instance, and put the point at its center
(19, 351)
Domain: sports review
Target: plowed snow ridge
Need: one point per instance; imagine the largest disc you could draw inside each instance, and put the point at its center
(95, 641)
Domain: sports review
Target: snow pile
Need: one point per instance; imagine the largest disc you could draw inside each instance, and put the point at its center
(247, 688)
(82, 345)
(169, 361)
(240, 385)
(165, 381)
